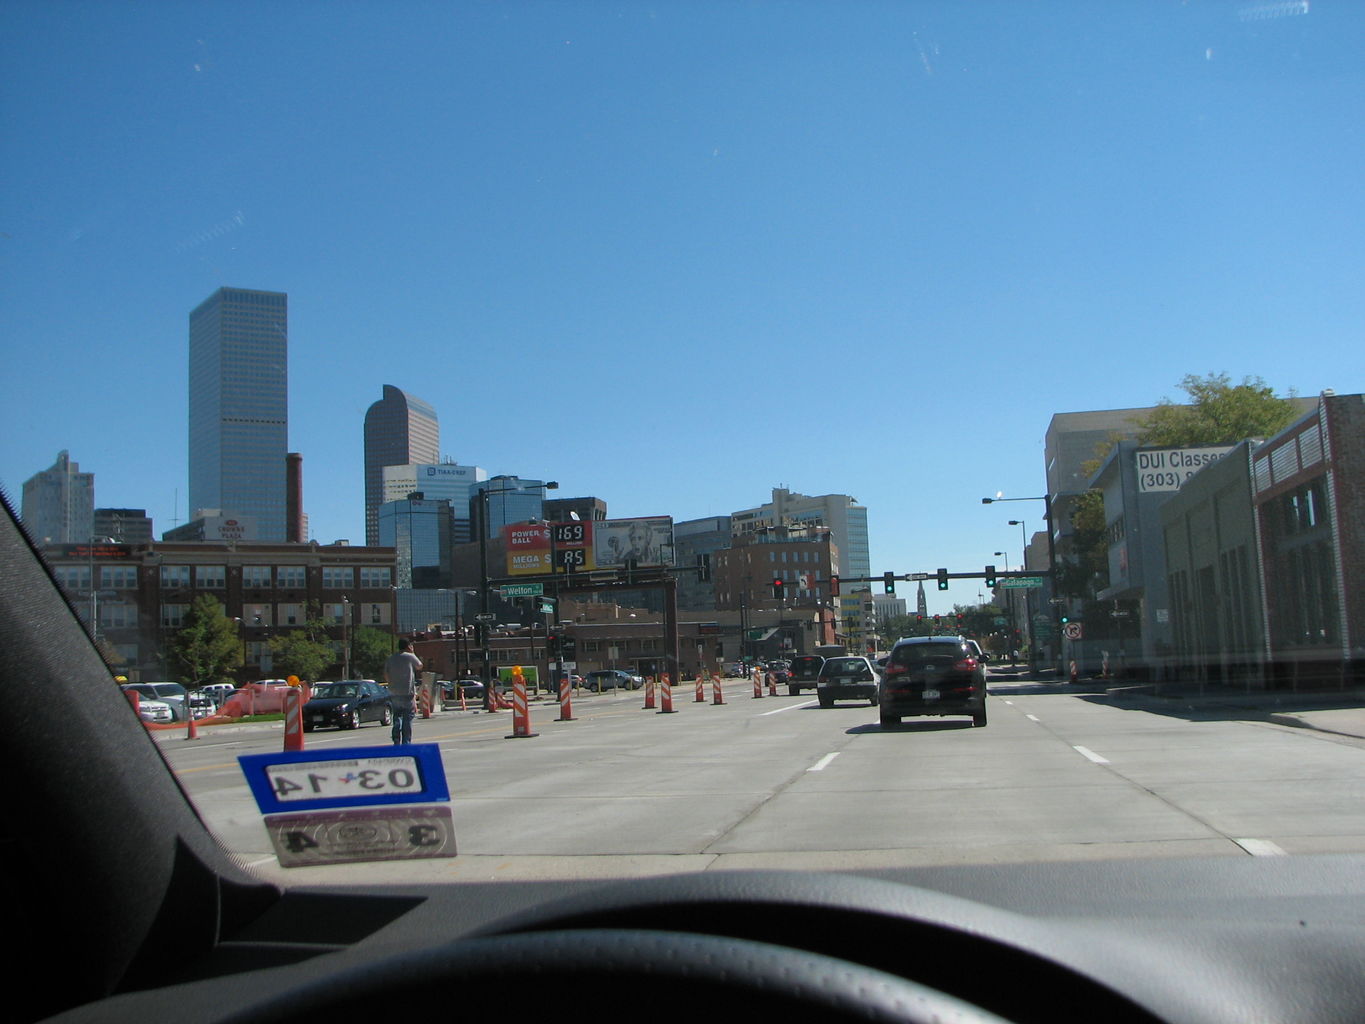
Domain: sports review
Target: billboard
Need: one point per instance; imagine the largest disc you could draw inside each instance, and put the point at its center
(587, 545)
(647, 542)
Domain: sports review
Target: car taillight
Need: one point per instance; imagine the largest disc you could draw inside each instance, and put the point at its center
(965, 665)
(892, 670)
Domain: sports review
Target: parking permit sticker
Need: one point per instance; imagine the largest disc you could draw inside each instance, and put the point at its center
(361, 834)
(352, 777)
(353, 804)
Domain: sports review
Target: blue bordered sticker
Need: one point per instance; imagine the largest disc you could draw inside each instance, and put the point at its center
(297, 780)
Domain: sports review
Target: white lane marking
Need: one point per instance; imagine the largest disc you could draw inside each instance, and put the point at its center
(1085, 752)
(1032, 718)
(789, 707)
(821, 764)
(1260, 848)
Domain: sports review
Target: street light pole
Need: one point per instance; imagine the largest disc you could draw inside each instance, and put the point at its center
(1046, 499)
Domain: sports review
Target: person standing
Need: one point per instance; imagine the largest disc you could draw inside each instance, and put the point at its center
(400, 672)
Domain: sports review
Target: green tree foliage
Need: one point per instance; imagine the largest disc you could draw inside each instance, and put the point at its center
(370, 648)
(206, 648)
(1218, 412)
(307, 652)
(1087, 572)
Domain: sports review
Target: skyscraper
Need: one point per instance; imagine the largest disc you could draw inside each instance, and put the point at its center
(59, 503)
(448, 481)
(239, 406)
(840, 514)
(400, 430)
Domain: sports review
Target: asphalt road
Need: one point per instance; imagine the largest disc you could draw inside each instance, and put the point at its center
(779, 782)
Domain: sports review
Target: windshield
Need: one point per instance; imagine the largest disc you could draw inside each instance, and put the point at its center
(325, 690)
(526, 332)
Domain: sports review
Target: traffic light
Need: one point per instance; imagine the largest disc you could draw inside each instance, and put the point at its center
(943, 579)
(552, 643)
(777, 589)
(990, 577)
(889, 583)
(938, 621)
(834, 586)
(1066, 619)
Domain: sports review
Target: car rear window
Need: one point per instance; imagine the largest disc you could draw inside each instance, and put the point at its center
(926, 654)
(845, 667)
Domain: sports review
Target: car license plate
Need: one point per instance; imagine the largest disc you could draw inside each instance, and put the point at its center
(930, 694)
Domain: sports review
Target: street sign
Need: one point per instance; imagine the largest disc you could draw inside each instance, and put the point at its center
(485, 617)
(523, 589)
(919, 576)
(1072, 630)
(1021, 582)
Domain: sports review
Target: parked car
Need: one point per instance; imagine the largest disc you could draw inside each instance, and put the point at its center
(347, 704)
(218, 692)
(471, 689)
(172, 694)
(150, 709)
(848, 678)
(933, 675)
(201, 704)
(805, 671)
(611, 679)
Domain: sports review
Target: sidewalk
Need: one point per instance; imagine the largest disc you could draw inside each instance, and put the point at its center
(1341, 712)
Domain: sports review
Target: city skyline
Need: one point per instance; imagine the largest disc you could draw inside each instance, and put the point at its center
(678, 256)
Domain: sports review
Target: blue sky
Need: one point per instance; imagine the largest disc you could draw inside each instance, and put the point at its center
(675, 254)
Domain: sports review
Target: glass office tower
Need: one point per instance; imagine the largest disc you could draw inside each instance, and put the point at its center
(239, 406)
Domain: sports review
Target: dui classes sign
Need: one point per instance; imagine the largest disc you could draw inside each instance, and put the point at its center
(1167, 469)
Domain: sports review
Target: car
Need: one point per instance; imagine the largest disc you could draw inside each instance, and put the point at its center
(454, 689)
(150, 709)
(218, 692)
(981, 655)
(805, 671)
(933, 675)
(173, 694)
(347, 704)
(846, 678)
(611, 679)
(201, 705)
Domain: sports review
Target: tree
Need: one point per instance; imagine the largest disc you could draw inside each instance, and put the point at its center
(1218, 412)
(206, 647)
(1087, 572)
(370, 648)
(306, 652)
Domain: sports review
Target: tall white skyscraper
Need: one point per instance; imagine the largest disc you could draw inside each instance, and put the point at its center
(239, 406)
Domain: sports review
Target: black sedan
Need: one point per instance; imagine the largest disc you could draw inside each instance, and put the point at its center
(347, 704)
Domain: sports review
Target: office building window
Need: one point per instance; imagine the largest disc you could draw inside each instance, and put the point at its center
(338, 577)
(210, 577)
(375, 577)
(291, 577)
(257, 576)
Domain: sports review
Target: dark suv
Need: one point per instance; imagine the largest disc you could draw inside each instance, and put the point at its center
(805, 670)
(933, 675)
